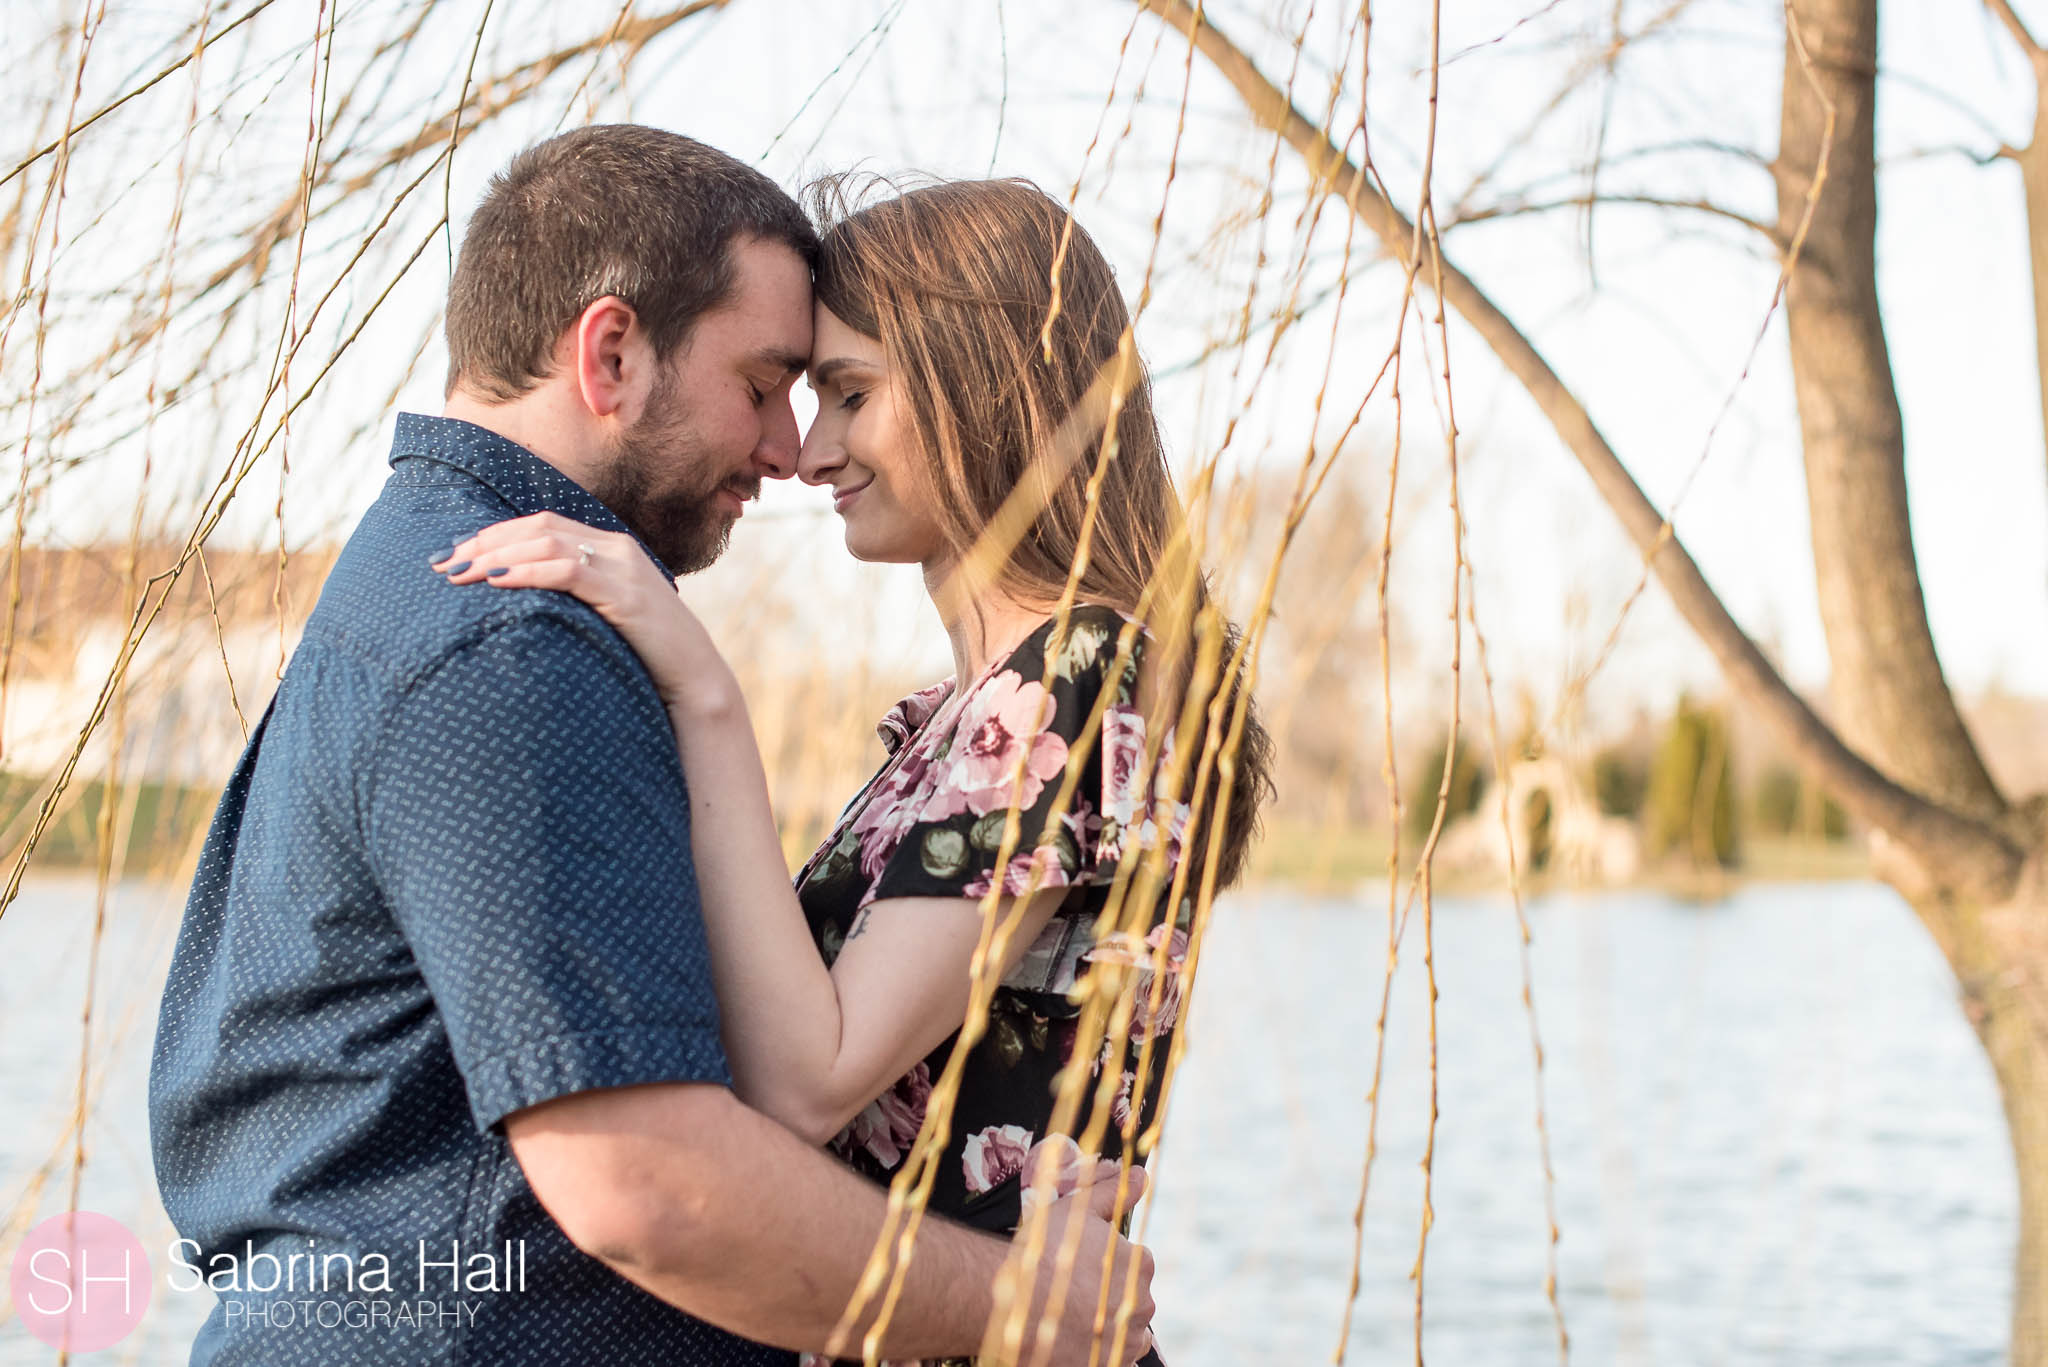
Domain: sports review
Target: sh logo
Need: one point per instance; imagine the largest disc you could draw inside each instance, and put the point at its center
(80, 1281)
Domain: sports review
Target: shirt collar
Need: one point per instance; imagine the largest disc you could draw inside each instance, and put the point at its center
(907, 717)
(509, 470)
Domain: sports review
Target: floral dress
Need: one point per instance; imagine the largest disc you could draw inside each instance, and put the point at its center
(930, 824)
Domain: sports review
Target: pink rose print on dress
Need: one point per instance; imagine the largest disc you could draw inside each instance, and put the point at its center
(993, 1156)
(999, 1152)
(913, 712)
(1068, 1164)
(1033, 872)
(880, 829)
(887, 1125)
(1132, 818)
(1005, 721)
(1120, 1111)
(890, 813)
(1123, 755)
(1125, 948)
(1117, 1053)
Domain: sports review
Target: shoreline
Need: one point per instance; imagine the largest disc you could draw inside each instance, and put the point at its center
(1321, 860)
(1289, 857)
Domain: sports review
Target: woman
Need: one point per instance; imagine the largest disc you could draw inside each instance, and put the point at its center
(942, 387)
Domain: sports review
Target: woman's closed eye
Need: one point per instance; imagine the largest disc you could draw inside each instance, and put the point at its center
(852, 399)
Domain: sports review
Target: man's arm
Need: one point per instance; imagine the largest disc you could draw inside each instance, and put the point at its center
(809, 1045)
(525, 814)
(719, 1211)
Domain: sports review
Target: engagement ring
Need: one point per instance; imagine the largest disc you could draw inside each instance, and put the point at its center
(583, 552)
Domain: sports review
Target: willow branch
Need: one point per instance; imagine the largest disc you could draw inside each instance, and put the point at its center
(2017, 28)
(1961, 851)
(50, 148)
(1521, 208)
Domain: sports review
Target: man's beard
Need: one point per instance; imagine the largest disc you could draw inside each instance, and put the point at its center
(682, 524)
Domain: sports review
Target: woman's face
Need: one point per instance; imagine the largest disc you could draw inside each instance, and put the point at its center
(861, 446)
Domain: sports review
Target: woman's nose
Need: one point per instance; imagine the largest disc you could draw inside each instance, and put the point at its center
(821, 455)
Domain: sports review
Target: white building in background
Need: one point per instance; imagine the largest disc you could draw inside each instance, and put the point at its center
(189, 689)
(1586, 845)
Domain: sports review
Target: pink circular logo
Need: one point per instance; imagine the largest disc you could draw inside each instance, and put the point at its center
(80, 1281)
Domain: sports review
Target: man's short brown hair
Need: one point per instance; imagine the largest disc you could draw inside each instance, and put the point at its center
(619, 209)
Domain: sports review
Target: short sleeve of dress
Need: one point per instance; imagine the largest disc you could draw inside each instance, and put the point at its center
(1037, 711)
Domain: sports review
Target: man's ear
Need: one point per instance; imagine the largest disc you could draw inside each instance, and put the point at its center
(612, 360)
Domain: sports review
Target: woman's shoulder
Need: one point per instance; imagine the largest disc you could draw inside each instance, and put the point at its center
(1084, 639)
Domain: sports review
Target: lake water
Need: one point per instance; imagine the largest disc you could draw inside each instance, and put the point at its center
(1775, 1139)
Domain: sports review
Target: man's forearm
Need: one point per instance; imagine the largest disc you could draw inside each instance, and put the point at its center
(735, 1220)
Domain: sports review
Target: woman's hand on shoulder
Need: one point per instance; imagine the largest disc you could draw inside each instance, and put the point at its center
(610, 572)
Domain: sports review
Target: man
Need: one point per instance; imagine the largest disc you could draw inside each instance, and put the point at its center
(438, 1075)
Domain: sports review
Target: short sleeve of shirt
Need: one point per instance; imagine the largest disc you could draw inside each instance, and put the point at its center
(949, 833)
(527, 823)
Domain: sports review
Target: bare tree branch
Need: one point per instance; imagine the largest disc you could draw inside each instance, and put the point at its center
(1520, 209)
(148, 85)
(2013, 25)
(1982, 860)
(2003, 152)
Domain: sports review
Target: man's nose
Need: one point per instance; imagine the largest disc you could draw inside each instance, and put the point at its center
(780, 441)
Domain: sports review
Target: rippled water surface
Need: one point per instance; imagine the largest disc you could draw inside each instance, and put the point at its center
(1775, 1139)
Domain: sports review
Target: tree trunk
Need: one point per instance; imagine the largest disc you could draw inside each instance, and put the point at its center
(2033, 160)
(2033, 164)
(2021, 1063)
(2000, 957)
(1892, 702)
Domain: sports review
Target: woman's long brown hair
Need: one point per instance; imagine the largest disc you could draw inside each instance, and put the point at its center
(1011, 343)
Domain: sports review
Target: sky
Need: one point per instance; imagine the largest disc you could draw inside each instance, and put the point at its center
(1659, 325)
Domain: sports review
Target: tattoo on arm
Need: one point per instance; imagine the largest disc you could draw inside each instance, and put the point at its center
(860, 923)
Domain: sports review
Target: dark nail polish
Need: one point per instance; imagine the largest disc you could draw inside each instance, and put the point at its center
(457, 569)
(493, 574)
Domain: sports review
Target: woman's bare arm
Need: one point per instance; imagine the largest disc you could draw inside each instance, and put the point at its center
(808, 1046)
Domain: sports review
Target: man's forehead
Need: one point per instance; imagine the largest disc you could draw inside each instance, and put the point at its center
(772, 289)
(763, 265)
(777, 357)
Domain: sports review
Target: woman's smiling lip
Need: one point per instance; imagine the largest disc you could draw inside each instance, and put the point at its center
(845, 496)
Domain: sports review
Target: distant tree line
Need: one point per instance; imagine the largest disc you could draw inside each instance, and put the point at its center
(1683, 788)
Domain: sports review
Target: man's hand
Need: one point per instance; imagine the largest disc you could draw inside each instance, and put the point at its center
(1065, 1333)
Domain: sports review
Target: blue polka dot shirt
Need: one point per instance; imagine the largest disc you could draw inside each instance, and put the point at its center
(449, 878)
